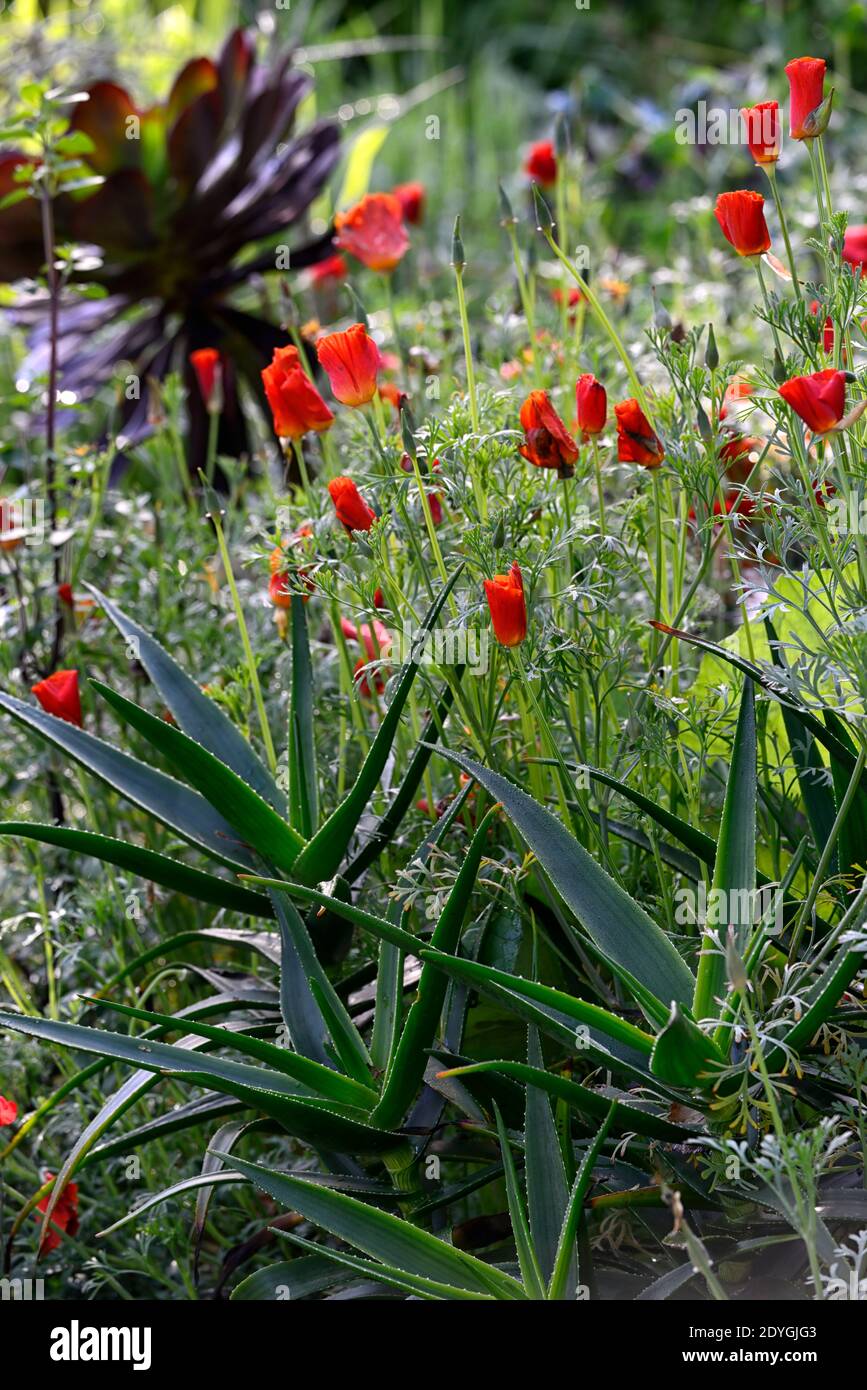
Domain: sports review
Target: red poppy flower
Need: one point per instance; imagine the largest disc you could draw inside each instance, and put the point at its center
(64, 593)
(205, 362)
(828, 330)
(411, 197)
(352, 511)
(541, 163)
(373, 231)
(333, 268)
(591, 401)
(819, 399)
(547, 442)
(505, 595)
(741, 216)
(351, 360)
(855, 246)
(8, 1111)
(58, 695)
(376, 643)
(806, 92)
(763, 131)
(64, 1216)
(637, 442)
(736, 454)
(295, 403)
(279, 591)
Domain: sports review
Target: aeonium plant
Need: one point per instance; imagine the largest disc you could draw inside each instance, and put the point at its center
(192, 198)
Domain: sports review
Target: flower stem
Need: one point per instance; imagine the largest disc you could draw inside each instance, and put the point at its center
(245, 640)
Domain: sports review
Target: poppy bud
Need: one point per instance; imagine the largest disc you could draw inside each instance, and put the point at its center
(459, 260)
(58, 695)
(763, 131)
(637, 442)
(741, 217)
(544, 221)
(352, 511)
(351, 362)
(819, 399)
(591, 401)
(206, 364)
(806, 91)
(508, 608)
(507, 216)
(711, 354)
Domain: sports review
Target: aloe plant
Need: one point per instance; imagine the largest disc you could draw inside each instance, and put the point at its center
(301, 1063)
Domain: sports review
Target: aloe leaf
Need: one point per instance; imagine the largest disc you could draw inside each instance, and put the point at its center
(825, 994)
(266, 1091)
(289, 1280)
(303, 789)
(380, 1234)
(559, 1279)
(593, 1045)
(405, 795)
(311, 1007)
(734, 873)
(582, 1012)
(147, 864)
(323, 855)
(163, 797)
(531, 1274)
(412, 1284)
(389, 976)
(259, 826)
(196, 1112)
(318, 1079)
(593, 1104)
(547, 1188)
(621, 930)
(379, 927)
(410, 1056)
(852, 835)
(177, 1189)
(194, 712)
(685, 1056)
